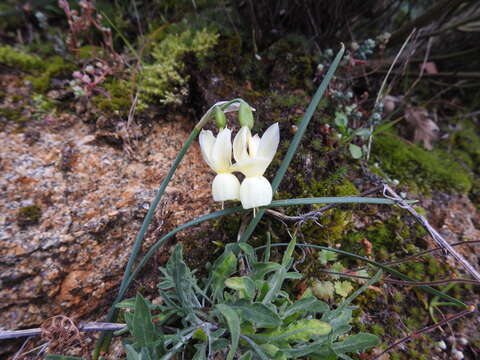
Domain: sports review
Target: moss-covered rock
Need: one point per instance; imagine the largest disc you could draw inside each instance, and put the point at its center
(421, 169)
(119, 99)
(54, 67)
(11, 57)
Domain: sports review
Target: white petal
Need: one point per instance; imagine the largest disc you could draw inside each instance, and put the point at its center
(222, 151)
(240, 144)
(207, 140)
(225, 187)
(269, 143)
(253, 144)
(251, 167)
(255, 192)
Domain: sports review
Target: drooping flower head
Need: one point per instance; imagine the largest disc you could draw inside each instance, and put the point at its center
(253, 154)
(217, 153)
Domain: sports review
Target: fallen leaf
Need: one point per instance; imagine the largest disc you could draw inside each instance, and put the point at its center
(425, 129)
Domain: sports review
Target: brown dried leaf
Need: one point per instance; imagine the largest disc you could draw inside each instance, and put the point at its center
(425, 129)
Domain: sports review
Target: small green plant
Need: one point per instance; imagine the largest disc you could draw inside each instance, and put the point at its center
(165, 81)
(240, 310)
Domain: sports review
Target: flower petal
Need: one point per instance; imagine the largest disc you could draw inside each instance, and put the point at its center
(240, 144)
(251, 167)
(222, 151)
(225, 187)
(253, 144)
(255, 192)
(207, 140)
(269, 143)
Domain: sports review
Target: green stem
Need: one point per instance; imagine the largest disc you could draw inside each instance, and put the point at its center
(378, 265)
(296, 141)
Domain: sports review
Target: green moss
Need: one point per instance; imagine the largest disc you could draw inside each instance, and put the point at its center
(466, 143)
(119, 98)
(378, 330)
(14, 115)
(14, 58)
(29, 215)
(165, 80)
(420, 168)
(335, 222)
(55, 66)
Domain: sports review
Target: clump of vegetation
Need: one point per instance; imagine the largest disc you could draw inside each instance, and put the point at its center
(240, 313)
(29, 215)
(164, 81)
(14, 58)
(55, 66)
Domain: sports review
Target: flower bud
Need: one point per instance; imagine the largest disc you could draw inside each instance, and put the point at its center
(220, 119)
(245, 115)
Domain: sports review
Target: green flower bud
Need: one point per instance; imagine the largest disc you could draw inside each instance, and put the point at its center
(245, 115)
(220, 119)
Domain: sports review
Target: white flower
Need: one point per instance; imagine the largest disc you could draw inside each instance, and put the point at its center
(253, 155)
(217, 153)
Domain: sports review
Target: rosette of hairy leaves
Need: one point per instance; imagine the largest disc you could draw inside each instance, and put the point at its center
(239, 312)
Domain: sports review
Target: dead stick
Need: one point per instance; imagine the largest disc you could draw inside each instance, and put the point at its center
(389, 193)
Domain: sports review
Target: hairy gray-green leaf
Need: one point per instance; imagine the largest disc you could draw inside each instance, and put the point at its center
(257, 313)
(223, 267)
(275, 284)
(243, 284)
(356, 343)
(305, 305)
(233, 323)
(143, 328)
(262, 269)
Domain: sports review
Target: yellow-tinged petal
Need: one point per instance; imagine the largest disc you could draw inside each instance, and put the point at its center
(222, 151)
(207, 140)
(269, 143)
(255, 191)
(225, 187)
(253, 144)
(251, 167)
(240, 144)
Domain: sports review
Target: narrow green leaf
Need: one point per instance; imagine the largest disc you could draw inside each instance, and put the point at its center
(257, 313)
(305, 305)
(143, 328)
(275, 285)
(356, 343)
(233, 323)
(287, 256)
(181, 279)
